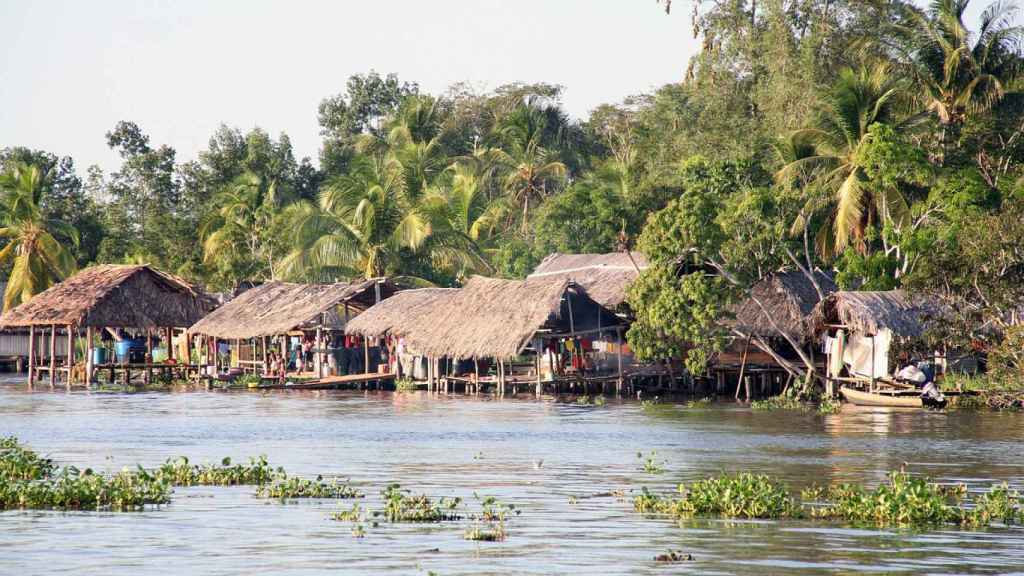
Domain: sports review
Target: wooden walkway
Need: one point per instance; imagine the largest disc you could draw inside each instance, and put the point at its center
(330, 382)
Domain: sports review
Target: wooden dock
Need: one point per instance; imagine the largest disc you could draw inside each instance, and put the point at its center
(334, 382)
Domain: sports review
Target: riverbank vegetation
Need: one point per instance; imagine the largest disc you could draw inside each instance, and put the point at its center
(881, 141)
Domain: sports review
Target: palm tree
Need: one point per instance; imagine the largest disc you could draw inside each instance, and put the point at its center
(463, 217)
(39, 260)
(241, 225)
(359, 227)
(964, 73)
(828, 158)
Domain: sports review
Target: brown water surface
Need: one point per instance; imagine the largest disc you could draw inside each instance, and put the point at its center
(535, 454)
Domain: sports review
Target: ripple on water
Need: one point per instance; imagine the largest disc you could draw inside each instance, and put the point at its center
(458, 446)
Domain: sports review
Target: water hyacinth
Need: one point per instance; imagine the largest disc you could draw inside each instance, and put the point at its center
(284, 488)
(400, 506)
(904, 501)
(490, 524)
(728, 495)
(30, 482)
(20, 463)
(179, 472)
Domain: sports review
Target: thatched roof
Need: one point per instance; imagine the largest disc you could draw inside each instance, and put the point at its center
(790, 298)
(396, 314)
(116, 296)
(492, 318)
(605, 277)
(280, 307)
(871, 312)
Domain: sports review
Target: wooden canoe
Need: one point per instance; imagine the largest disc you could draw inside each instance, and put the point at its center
(893, 399)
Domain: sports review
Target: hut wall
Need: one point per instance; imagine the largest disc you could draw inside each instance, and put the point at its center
(15, 343)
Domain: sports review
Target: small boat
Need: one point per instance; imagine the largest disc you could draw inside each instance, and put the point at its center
(892, 398)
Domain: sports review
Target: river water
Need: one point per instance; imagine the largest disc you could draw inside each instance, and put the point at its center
(536, 454)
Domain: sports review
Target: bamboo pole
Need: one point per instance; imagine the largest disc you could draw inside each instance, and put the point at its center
(53, 353)
(31, 353)
(366, 355)
(318, 357)
(743, 368)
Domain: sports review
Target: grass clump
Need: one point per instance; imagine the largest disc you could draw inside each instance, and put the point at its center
(179, 472)
(401, 506)
(284, 488)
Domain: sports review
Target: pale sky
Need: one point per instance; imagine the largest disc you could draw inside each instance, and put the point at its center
(69, 70)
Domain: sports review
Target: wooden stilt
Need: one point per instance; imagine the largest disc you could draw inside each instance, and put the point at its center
(318, 356)
(618, 383)
(148, 376)
(366, 356)
(53, 353)
(70, 360)
(540, 385)
(31, 354)
(169, 332)
(743, 368)
(90, 362)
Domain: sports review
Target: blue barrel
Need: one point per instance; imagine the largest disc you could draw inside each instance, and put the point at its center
(122, 348)
(99, 356)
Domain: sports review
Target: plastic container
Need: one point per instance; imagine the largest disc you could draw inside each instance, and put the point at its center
(99, 356)
(159, 354)
(122, 348)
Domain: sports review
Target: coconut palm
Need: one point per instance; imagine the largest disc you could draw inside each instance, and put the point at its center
(961, 72)
(38, 260)
(240, 229)
(828, 158)
(360, 226)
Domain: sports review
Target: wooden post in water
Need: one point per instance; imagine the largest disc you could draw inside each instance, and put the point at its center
(170, 344)
(53, 353)
(743, 368)
(318, 357)
(31, 353)
(366, 355)
(618, 338)
(149, 355)
(71, 354)
(90, 362)
(540, 385)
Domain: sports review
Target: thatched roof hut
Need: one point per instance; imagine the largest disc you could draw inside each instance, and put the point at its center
(790, 297)
(115, 296)
(280, 307)
(493, 318)
(872, 312)
(605, 277)
(397, 314)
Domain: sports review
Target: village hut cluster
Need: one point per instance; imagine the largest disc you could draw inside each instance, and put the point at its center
(562, 328)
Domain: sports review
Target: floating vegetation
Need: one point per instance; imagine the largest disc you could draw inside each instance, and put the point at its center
(829, 406)
(353, 514)
(401, 506)
(700, 402)
(248, 381)
(588, 400)
(405, 385)
(904, 501)
(674, 556)
(179, 472)
(779, 403)
(20, 463)
(28, 481)
(650, 463)
(490, 524)
(284, 488)
(729, 495)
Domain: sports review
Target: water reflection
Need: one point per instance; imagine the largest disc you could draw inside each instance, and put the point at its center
(460, 445)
